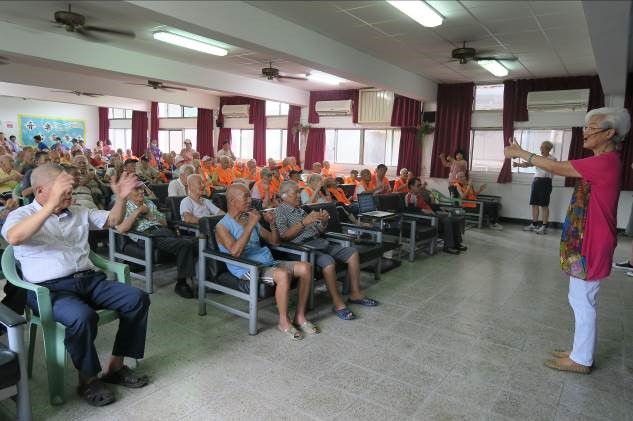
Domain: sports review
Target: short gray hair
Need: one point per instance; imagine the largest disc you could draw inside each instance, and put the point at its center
(614, 118)
(314, 177)
(285, 188)
(45, 175)
(187, 168)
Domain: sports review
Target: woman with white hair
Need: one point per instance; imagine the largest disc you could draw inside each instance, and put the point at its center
(314, 192)
(589, 232)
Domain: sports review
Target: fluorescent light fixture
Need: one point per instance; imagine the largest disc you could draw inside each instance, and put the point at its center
(192, 44)
(494, 67)
(419, 11)
(324, 78)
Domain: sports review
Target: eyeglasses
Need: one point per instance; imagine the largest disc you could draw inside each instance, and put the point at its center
(589, 128)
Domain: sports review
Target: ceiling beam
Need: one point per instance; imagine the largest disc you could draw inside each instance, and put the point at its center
(243, 25)
(609, 24)
(19, 41)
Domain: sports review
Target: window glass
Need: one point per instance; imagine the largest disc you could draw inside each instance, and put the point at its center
(283, 108)
(531, 139)
(162, 110)
(189, 112)
(174, 110)
(393, 147)
(163, 141)
(330, 145)
(246, 147)
(272, 108)
(375, 146)
(488, 97)
(120, 138)
(273, 144)
(118, 113)
(487, 150)
(110, 110)
(348, 146)
(284, 143)
(175, 140)
(128, 114)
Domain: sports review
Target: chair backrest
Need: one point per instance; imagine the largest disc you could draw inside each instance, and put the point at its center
(334, 225)
(219, 200)
(207, 228)
(393, 202)
(391, 184)
(161, 192)
(256, 204)
(339, 180)
(348, 189)
(366, 203)
(174, 206)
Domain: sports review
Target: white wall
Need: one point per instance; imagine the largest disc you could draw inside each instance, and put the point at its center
(10, 107)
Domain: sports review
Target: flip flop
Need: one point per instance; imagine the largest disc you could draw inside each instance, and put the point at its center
(309, 328)
(344, 313)
(96, 393)
(368, 302)
(293, 332)
(126, 377)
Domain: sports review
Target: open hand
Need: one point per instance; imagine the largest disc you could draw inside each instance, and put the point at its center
(124, 185)
(514, 150)
(61, 191)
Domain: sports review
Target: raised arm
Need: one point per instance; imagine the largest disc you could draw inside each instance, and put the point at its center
(445, 162)
(233, 245)
(562, 168)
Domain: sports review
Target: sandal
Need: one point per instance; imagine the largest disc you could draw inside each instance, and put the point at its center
(365, 301)
(293, 332)
(126, 377)
(344, 313)
(309, 328)
(96, 393)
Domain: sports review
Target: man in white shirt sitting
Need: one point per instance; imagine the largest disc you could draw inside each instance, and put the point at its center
(50, 240)
(194, 206)
(178, 187)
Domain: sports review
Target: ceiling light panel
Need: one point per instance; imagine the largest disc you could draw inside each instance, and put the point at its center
(494, 67)
(419, 11)
(190, 43)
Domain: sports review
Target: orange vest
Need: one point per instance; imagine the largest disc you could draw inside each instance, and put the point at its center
(399, 183)
(368, 186)
(339, 195)
(310, 192)
(225, 176)
(466, 195)
(325, 172)
(374, 180)
(350, 180)
(249, 176)
(262, 191)
(275, 184)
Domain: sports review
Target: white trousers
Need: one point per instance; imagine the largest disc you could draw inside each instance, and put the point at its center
(582, 298)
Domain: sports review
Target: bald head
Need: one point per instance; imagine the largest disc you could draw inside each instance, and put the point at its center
(238, 199)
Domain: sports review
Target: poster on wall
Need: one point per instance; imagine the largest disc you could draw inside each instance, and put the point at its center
(49, 128)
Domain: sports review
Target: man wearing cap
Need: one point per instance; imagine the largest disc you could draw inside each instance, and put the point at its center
(188, 151)
(225, 150)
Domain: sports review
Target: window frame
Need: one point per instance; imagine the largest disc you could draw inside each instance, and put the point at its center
(126, 112)
(194, 140)
(280, 107)
(361, 158)
(126, 132)
(488, 110)
(238, 153)
(182, 110)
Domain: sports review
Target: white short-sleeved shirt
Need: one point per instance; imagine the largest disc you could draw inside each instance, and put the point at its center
(176, 188)
(207, 208)
(540, 173)
(60, 248)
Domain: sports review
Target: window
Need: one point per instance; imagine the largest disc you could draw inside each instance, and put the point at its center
(486, 150)
(120, 138)
(276, 108)
(531, 139)
(381, 147)
(175, 111)
(488, 97)
(174, 140)
(242, 143)
(276, 142)
(119, 113)
(342, 146)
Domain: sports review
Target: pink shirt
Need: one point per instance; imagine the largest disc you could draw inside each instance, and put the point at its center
(456, 168)
(602, 174)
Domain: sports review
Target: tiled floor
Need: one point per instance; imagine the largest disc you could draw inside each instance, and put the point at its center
(456, 337)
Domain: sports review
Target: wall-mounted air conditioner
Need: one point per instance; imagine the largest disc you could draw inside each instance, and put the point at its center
(334, 108)
(235, 110)
(567, 100)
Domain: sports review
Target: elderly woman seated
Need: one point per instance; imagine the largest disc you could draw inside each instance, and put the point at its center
(296, 225)
(469, 192)
(315, 192)
(239, 234)
(263, 189)
(194, 206)
(143, 215)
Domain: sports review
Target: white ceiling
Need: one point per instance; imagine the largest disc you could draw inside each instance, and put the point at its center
(550, 38)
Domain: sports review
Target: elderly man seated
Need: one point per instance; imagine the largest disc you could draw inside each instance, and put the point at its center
(82, 195)
(90, 179)
(9, 177)
(296, 225)
(224, 172)
(146, 172)
(143, 215)
(239, 233)
(263, 189)
(50, 239)
(178, 187)
(194, 206)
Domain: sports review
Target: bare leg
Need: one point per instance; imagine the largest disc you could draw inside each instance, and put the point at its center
(114, 364)
(534, 214)
(353, 271)
(303, 272)
(282, 283)
(329, 273)
(545, 215)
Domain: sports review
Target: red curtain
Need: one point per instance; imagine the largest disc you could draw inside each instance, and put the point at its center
(205, 132)
(576, 151)
(292, 145)
(224, 135)
(315, 150)
(509, 107)
(258, 119)
(410, 154)
(104, 123)
(338, 95)
(407, 112)
(627, 150)
(452, 123)
(153, 123)
(139, 132)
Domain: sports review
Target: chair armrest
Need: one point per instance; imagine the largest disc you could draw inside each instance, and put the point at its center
(9, 318)
(421, 216)
(121, 270)
(131, 234)
(292, 248)
(339, 236)
(360, 228)
(227, 258)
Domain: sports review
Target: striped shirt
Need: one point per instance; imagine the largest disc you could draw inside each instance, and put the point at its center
(287, 216)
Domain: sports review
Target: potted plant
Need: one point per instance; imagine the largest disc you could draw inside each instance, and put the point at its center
(423, 129)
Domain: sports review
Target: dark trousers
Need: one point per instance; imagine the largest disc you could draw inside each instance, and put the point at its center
(182, 247)
(492, 210)
(450, 230)
(75, 301)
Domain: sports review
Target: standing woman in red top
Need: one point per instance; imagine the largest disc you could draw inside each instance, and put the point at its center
(589, 232)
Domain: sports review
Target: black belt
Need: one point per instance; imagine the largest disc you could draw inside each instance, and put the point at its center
(82, 274)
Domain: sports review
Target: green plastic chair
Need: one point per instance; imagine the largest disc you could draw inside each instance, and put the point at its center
(54, 348)
(441, 199)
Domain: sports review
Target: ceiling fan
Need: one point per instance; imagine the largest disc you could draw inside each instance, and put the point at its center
(78, 93)
(154, 84)
(465, 54)
(75, 22)
(271, 73)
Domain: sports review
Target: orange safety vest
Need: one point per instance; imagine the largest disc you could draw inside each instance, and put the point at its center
(225, 175)
(339, 195)
(275, 184)
(325, 172)
(368, 186)
(399, 183)
(466, 195)
(262, 191)
(350, 180)
(374, 179)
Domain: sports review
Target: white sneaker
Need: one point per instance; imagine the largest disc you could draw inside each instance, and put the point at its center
(624, 265)
(629, 273)
(530, 227)
(497, 227)
(542, 230)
